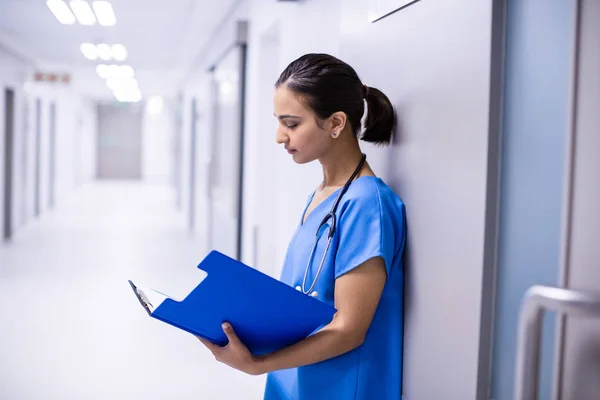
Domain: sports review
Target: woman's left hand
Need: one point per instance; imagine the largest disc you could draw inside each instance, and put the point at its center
(235, 353)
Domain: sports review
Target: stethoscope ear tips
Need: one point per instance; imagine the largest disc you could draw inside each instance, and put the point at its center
(313, 294)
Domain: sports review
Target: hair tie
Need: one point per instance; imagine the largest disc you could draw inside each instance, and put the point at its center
(366, 90)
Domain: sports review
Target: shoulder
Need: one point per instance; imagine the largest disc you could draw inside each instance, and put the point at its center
(372, 192)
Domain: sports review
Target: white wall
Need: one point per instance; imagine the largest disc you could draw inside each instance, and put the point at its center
(158, 130)
(435, 63)
(579, 347)
(76, 129)
(197, 86)
(290, 184)
(12, 75)
(88, 127)
(75, 143)
(285, 23)
(75, 158)
(440, 64)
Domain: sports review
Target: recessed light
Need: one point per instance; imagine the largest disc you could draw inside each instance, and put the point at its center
(89, 51)
(61, 11)
(126, 71)
(83, 12)
(119, 52)
(104, 51)
(104, 13)
(103, 71)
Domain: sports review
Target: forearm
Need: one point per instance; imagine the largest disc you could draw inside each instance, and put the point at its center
(329, 342)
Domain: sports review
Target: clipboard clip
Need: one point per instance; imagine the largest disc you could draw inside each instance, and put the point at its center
(139, 293)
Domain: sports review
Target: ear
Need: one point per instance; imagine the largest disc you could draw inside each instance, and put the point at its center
(338, 123)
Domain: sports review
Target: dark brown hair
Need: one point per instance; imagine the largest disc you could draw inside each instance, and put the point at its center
(329, 85)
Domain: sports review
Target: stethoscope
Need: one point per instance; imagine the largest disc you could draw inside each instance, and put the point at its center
(330, 215)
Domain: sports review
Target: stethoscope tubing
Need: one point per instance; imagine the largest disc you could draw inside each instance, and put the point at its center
(332, 229)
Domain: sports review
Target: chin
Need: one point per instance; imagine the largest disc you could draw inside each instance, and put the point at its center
(298, 159)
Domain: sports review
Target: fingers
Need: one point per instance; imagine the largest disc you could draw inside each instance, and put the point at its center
(230, 333)
(211, 346)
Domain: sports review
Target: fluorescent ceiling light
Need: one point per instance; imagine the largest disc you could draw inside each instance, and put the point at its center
(128, 95)
(114, 71)
(103, 71)
(119, 52)
(104, 51)
(104, 13)
(89, 51)
(155, 105)
(61, 11)
(118, 75)
(120, 84)
(83, 12)
(126, 71)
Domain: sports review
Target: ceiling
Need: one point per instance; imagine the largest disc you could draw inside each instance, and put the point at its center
(163, 38)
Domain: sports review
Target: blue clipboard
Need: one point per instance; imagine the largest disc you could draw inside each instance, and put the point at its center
(267, 315)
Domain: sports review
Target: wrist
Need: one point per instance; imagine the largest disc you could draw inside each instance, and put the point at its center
(261, 365)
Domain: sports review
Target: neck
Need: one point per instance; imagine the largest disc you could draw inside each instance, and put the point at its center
(340, 163)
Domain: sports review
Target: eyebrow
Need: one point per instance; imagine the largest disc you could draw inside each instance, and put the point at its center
(285, 116)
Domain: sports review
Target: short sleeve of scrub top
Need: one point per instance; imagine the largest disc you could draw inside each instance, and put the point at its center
(371, 223)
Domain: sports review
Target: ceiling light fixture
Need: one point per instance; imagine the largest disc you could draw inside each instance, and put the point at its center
(132, 96)
(103, 71)
(120, 84)
(104, 51)
(83, 12)
(89, 51)
(104, 13)
(124, 89)
(126, 71)
(61, 11)
(116, 72)
(113, 71)
(119, 52)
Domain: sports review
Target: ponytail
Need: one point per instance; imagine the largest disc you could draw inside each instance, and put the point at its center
(328, 85)
(381, 118)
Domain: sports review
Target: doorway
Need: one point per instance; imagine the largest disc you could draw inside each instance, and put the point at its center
(52, 166)
(226, 172)
(119, 142)
(193, 139)
(38, 146)
(9, 109)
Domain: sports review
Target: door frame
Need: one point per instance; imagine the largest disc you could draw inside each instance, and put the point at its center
(9, 136)
(240, 45)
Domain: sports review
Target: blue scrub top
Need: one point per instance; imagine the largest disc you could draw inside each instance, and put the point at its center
(370, 223)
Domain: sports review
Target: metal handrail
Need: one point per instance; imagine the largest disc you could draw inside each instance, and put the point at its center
(537, 300)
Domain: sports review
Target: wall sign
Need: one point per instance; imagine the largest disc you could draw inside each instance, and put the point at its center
(378, 9)
(51, 77)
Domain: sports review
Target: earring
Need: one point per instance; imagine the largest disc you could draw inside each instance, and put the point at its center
(335, 134)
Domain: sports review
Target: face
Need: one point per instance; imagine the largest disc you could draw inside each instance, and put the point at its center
(298, 131)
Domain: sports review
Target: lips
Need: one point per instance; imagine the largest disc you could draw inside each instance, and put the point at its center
(290, 151)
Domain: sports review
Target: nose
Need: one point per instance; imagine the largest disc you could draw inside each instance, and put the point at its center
(281, 137)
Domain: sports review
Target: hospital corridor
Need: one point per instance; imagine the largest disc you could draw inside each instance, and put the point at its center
(299, 200)
(63, 328)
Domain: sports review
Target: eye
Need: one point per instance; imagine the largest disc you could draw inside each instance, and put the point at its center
(291, 126)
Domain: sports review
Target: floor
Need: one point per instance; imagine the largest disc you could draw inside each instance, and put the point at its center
(70, 326)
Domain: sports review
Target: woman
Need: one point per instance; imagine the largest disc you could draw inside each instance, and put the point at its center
(319, 102)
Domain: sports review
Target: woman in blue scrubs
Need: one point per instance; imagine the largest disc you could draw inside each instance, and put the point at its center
(319, 101)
